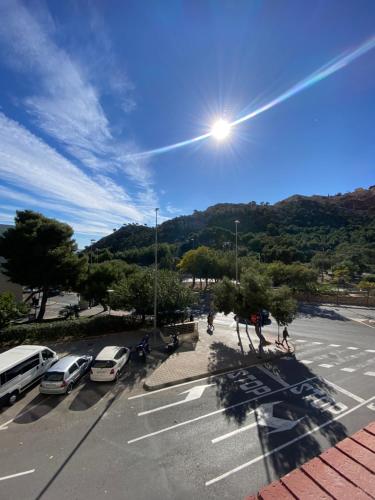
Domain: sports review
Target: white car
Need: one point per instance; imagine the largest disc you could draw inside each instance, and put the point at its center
(109, 363)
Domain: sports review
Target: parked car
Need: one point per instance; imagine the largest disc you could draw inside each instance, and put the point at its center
(109, 363)
(61, 377)
(20, 367)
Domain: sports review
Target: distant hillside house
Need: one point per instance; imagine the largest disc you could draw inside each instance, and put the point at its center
(5, 284)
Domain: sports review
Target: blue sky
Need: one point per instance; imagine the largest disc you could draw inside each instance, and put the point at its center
(87, 87)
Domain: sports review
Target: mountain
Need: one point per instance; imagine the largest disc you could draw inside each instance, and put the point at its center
(294, 229)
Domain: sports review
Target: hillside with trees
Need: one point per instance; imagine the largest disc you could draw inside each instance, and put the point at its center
(325, 231)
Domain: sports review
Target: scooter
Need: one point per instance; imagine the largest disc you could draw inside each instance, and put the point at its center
(142, 349)
(173, 344)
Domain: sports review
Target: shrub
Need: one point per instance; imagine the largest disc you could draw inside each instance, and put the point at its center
(77, 328)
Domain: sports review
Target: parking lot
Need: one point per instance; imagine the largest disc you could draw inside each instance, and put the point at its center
(219, 437)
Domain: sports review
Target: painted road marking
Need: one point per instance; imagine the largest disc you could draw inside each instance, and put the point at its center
(317, 342)
(279, 380)
(370, 350)
(17, 475)
(216, 412)
(325, 365)
(301, 340)
(209, 377)
(371, 374)
(353, 348)
(349, 370)
(295, 440)
(237, 431)
(345, 391)
(191, 394)
(305, 361)
(334, 345)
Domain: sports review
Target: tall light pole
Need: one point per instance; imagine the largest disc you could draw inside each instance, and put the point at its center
(156, 269)
(236, 222)
(91, 252)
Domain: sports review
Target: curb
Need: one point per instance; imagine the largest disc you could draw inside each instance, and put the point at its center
(201, 375)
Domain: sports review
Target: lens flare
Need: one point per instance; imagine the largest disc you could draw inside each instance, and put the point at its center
(221, 129)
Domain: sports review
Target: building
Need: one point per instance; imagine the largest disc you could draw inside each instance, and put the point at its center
(5, 284)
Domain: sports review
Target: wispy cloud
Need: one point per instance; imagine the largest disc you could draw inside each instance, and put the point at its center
(65, 102)
(62, 99)
(48, 180)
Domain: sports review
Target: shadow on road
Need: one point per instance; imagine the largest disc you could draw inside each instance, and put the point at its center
(317, 311)
(43, 405)
(306, 407)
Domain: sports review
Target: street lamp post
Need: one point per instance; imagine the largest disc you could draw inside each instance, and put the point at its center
(91, 252)
(236, 222)
(156, 270)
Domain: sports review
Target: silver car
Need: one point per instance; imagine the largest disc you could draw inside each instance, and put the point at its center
(60, 378)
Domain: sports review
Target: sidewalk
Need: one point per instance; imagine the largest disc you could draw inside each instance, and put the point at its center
(212, 354)
(345, 471)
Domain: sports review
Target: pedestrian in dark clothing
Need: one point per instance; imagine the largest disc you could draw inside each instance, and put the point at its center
(285, 337)
(191, 317)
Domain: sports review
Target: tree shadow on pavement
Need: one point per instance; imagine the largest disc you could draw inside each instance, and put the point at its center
(317, 311)
(304, 407)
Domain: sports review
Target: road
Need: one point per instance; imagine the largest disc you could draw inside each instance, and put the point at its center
(223, 437)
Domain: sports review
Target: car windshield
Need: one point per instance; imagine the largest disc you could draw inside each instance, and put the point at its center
(101, 363)
(54, 376)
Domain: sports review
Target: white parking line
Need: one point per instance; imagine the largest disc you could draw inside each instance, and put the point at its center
(344, 391)
(353, 348)
(301, 340)
(317, 343)
(370, 350)
(334, 345)
(372, 374)
(305, 361)
(17, 475)
(349, 370)
(325, 365)
(278, 448)
(216, 412)
(233, 433)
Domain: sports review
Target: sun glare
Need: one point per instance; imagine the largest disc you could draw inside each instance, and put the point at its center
(220, 130)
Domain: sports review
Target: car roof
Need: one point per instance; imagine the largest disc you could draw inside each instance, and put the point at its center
(63, 364)
(108, 352)
(12, 357)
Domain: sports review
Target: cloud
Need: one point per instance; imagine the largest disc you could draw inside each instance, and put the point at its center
(44, 178)
(64, 102)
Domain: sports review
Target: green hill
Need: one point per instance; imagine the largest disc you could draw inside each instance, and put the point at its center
(294, 229)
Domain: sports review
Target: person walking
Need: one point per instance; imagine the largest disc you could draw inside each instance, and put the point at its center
(285, 337)
(210, 323)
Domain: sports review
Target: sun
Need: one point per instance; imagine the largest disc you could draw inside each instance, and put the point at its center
(220, 129)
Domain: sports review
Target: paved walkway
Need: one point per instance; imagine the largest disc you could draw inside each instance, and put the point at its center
(212, 354)
(346, 471)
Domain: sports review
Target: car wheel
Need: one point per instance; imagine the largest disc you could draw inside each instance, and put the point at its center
(13, 397)
(69, 388)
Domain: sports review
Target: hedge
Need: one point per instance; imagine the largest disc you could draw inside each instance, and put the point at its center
(76, 328)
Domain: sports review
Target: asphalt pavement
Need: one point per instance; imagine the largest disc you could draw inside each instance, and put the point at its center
(221, 437)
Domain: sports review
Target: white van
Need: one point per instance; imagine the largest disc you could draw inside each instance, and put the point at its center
(22, 366)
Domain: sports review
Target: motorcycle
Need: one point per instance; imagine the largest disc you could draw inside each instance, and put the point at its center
(173, 344)
(142, 349)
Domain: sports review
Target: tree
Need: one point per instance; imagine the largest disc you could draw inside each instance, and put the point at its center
(136, 292)
(368, 286)
(283, 307)
(101, 278)
(298, 277)
(249, 297)
(10, 309)
(341, 276)
(41, 253)
(322, 262)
